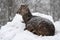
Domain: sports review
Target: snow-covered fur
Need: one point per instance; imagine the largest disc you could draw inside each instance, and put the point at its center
(36, 24)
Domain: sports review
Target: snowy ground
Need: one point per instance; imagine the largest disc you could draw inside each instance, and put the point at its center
(15, 30)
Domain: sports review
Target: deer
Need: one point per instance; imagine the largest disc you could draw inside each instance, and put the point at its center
(36, 24)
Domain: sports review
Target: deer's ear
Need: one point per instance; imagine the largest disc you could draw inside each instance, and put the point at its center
(24, 5)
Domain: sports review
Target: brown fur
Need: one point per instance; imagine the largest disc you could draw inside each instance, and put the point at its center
(34, 24)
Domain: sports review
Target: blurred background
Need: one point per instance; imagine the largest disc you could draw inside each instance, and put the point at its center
(8, 8)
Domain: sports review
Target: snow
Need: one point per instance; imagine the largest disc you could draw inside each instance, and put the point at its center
(14, 30)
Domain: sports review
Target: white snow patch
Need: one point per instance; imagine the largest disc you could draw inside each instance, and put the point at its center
(15, 30)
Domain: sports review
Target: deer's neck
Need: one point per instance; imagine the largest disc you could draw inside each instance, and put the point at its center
(27, 17)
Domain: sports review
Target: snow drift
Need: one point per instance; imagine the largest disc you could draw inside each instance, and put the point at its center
(14, 30)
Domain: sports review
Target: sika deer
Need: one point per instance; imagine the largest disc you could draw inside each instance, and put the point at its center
(36, 24)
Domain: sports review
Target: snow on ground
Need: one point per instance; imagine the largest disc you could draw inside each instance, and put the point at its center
(14, 30)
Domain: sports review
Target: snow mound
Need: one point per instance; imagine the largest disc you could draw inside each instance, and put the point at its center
(14, 30)
(43, 15)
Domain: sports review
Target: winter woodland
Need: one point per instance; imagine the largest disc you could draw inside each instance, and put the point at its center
(11, 24)
(8, 8)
